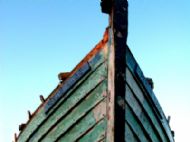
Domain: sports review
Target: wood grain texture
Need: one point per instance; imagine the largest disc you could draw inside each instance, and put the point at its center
(76, 114)
(87, 124)
(133, 122)
(130, 135)
(142, 118)
(68, 85)
(133, 88)
(149, 95)
(80, 93)
(40, 116)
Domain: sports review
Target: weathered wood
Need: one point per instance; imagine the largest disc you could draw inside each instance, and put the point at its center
(40, 115)
(129, 134)
(96, 62)
(119, 24)
(140, 114)
(67, 85)
(76, 114)
(102, 100)
(106, 6)
(134, 124)
(63, 76)
(111, 91)
(86, 124)
(95, 135)
(150, 96)
(132, 86)
(136, 71)
(98, 76)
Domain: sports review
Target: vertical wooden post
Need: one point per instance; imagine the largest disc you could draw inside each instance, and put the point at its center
(118, 15)
(120, 29)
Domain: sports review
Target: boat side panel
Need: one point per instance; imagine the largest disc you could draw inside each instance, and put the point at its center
(129, 134)
(143, 110)
(88, 124)
(40, 116)
(149, 95)
(142, 118)
(71, 102)
(76, 114)
(133, 123)
(137, 95)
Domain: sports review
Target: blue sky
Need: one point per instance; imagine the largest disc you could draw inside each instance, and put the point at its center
(41, 38)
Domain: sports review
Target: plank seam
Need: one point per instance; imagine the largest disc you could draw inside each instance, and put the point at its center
(62, 101)
(73, 123)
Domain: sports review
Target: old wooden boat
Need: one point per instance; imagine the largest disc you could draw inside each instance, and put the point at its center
(105, 98)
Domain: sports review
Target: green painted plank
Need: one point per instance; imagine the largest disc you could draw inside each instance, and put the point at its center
(132, 121)
(79, 112)
(96, 134)
(95, 65)
(97, 59)
(40, 115)
(69, 103)
(132, 86)
(87, 123)
(69, 83)
(138, 111)
(129, 135)
(137, 72)
(33, 124)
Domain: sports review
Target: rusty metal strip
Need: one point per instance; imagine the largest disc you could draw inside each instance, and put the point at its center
(68, 84)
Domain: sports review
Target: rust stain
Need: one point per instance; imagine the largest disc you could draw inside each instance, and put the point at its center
(93, 52)
(96, 49)
(63, 75)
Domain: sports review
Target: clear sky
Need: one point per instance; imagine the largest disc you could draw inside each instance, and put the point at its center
(41, 38)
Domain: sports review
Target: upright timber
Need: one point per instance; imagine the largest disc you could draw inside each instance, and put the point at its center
(105, 98)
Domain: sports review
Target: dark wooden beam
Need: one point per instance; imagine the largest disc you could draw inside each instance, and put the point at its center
(118, 15)
(119, 24)
(106, 6)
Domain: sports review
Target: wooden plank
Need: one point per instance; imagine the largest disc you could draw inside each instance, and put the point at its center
(86, 124)
(67, 85)
(136, 128)
(72, 101)
(40, 116)
(101, 70)
(120, 31)
(129, 135)
(140, 114)
(137, 73)
(76, 114)
(157, 107)
(148, 88)
(98, 58)
(33, 124)
(133, 87)
(96, 134)
(111, 90)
